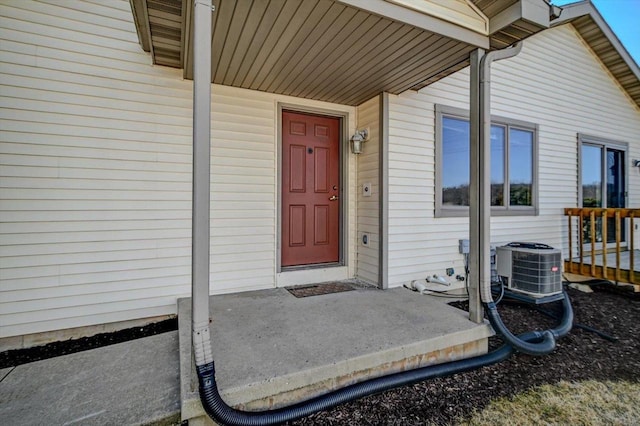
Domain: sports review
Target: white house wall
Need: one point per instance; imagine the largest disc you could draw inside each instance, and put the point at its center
(95, 173)
(557, 83)
(368, 222)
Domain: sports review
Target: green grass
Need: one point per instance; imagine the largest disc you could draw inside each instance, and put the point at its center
(583, 403)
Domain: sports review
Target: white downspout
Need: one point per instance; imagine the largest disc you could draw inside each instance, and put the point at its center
(480, 177)
(477, 216)
(485, 165)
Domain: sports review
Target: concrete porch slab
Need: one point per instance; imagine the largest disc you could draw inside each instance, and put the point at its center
(272, 349)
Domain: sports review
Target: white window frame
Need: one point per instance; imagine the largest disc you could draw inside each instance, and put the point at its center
(509, 123)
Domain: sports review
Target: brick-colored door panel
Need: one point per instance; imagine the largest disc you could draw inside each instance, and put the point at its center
(310, 189)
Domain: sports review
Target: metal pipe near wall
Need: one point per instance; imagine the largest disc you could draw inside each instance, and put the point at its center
(480, 176)
(484, 172)
(478, 214)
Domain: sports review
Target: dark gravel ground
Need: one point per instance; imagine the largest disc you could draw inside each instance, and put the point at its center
(22, 356)
(581, 355)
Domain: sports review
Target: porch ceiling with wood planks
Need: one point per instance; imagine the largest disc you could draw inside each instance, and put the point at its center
(318, 49)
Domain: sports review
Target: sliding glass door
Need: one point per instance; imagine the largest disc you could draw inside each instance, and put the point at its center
(603, 183)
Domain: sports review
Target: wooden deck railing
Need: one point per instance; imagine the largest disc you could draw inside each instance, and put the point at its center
(592, 268)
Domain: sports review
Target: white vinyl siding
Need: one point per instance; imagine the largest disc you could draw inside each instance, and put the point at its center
(369, 207)
(95, 173)
(243, 190)
(95, 170)
(557, 83)
(410, 186)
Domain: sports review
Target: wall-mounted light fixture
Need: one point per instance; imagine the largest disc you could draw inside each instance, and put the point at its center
(357, 139)
(636, 163)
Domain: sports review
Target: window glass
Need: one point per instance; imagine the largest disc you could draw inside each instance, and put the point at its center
(455, 162)
(520, 167)
(591, 176)
(497, 165)
(615, 178)
(513, 147)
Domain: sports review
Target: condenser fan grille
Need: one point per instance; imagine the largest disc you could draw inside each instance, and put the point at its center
(536, 273)
(531, 268)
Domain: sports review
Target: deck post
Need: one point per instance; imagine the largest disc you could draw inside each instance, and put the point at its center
(632, 268)
(479, 203)
(201, 181)
(605, 237)
(569, 217)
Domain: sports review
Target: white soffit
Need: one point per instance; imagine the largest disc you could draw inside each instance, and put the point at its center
(458, 12)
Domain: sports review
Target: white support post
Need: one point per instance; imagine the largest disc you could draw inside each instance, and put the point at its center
(201, 181)
(479, 192)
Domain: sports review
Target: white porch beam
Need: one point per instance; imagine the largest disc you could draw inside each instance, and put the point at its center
(420, 20)
(201, 180)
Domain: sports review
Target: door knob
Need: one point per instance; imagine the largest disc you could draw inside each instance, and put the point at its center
(333, 198)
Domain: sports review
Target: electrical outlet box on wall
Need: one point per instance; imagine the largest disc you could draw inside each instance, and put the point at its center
(366, 189)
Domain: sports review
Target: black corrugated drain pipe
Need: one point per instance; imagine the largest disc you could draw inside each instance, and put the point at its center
(545, 340)
(222, 413)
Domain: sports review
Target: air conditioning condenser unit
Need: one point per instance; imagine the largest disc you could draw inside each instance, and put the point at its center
(531, 268)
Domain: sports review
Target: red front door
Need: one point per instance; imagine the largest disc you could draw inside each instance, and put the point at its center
(310, 189)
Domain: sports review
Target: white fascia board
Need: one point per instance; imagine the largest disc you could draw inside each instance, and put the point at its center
(459, 12)
(141, 20)
(533, 11)
(572, 11)
(421, 20)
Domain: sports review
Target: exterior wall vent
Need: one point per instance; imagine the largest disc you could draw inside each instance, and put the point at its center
(530, 268)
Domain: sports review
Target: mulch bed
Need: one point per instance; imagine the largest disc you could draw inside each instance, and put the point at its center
(17, 357)
(579, 356)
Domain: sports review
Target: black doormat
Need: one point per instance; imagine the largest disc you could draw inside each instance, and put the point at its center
(318, 289)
